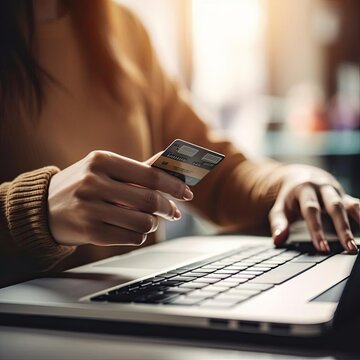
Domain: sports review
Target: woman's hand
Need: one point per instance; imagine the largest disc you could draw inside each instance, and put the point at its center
(107, 199)
(305, 191)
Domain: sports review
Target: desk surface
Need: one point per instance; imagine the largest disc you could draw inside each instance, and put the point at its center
(28, 343)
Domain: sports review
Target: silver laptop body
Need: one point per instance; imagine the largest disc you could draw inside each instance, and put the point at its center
(298, 305)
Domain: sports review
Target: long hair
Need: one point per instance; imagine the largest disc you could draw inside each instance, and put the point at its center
(22, 78)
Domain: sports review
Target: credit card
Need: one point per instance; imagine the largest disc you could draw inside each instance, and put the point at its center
(188, 162)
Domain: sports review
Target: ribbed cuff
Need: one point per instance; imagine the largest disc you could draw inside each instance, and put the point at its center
(26, 214)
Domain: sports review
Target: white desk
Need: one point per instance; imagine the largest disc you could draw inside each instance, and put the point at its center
(25, 343)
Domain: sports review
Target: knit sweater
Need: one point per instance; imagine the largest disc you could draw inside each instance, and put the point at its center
(238, 193)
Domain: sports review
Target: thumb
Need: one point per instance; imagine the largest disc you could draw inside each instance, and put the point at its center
(153, 158)
(279, 223)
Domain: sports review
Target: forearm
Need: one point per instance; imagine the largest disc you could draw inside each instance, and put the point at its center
(239, 192)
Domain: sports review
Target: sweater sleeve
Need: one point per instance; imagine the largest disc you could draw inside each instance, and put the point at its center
(26, 243)
(239, 192)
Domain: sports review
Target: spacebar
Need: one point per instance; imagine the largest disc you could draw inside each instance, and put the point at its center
(282, 273)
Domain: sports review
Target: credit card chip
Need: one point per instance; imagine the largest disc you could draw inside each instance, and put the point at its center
(211, 158)
(187, 151)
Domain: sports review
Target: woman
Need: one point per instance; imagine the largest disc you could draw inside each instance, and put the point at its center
(84, 103)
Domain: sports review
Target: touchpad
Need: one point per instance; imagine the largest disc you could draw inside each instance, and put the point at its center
(150, 260)
(333, 294)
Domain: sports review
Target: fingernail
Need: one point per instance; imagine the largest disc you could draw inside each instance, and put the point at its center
(277, 232)
(188, 195)
(327, 246)
(352, 246)
(323, 246)
(277, 238)
(177, 215)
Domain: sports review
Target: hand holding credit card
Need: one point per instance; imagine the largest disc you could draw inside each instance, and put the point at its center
(188, 162)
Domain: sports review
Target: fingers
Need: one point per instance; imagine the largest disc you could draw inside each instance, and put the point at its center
(336, 209)
(109, 235)
(279, 222)
(151, 160)
(135, 197)
(127, 170)
(352, 206)
(129, 219)
(311, 212)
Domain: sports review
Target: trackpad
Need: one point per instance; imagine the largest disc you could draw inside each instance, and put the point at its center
(333, 294)
(150, 260)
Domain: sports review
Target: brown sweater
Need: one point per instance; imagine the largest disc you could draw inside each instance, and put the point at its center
(238, 193)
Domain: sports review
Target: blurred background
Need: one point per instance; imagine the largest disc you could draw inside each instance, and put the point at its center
(280, 77)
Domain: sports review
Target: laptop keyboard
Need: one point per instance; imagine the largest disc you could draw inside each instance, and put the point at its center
(222, 281)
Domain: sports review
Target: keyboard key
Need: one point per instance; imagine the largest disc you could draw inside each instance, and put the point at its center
(230, 297)
(254, 271)
(156, 286)
(226, 271)
(253, 286)
(206, 280)
(283, 273)
(201, 294)
(287, 256)
(311, 258)
(290, 253)
(182, 278)
(198, 295)
(192, 285)
(236, 267)
(267, 264)
(274, 252)
(243, 276)
(259, 268)
(194, 265)
(217, 276)
(120, 298)
(178, 290)
(250, 272)
(245, 263)
(168, 275)
(275, 261)
(229, 283)
(217, 288)
(212, 266)
(184, 301)
(205, 269)
(241, 292)
(223, 262)
(259, 258)
(155, 298)
(239, 280)
(199, 272)
(181, 271)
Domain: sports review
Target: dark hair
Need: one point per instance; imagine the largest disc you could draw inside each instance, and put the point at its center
(20, 75)
(22, 78)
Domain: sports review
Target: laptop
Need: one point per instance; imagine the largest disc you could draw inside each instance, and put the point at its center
(238, 283)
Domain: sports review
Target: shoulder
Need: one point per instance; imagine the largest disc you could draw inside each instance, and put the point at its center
(126, 16)
(130, 24)
(132, 35)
